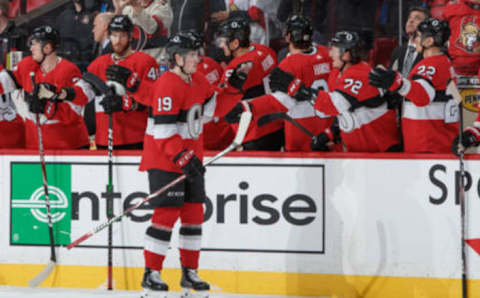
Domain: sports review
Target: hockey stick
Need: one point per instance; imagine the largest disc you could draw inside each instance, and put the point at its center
(452, 90)
(39, 278)
(265, 119)
(462, 207)
(237, 142)
(110, 200)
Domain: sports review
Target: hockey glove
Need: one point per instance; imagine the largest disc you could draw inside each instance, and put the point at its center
(385, 78)
(121, 75)
(190, 164)
(35, 104)
(111, 104)
(47, 91)
(287, 83)
(470, 137)
(234, 115)
(322, 140)
(239, 75)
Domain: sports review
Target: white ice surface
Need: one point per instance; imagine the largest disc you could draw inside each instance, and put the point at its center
(19, 292)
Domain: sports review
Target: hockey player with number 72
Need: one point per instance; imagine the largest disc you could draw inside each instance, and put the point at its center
(180, 102)
(366, 123)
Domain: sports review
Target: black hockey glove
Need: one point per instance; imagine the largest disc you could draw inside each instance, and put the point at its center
(287, 83)
(385, 78)
(190, 164)
(238, 76)
(234, 115)
(121, 75)
(111, 104)
(35, 104)
(470, 137)
(321, 141)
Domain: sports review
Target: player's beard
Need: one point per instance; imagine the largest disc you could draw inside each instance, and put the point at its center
(121, 51)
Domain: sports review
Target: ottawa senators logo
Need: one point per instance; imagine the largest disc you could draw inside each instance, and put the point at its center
(469, 37)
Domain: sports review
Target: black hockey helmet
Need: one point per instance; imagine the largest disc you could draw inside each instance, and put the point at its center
(236, 28)
(120, 23)
(197, 37)
(300, 30)
(439, 30)
(349, 41)
(45, 34)
(180, 43)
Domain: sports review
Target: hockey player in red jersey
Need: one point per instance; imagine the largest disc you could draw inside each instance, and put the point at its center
(430, 114)
(12, 126)
(311, 64)
(60, 116)
(463, 17)
(207, 66)
(129, 117)
(233, 38)
(366, 124)
(180, 101)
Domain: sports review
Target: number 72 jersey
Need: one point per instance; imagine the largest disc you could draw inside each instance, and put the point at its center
(366, 124)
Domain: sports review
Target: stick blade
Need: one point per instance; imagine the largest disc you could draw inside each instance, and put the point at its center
(243, 125)
(42, 276)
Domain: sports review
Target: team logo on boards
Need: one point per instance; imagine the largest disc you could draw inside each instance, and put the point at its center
(29, 220)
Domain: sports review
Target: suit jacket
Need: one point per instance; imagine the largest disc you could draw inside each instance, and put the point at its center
(398, 57)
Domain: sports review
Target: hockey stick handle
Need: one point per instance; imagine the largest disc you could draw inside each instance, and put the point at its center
(44, 177)
(242, 130)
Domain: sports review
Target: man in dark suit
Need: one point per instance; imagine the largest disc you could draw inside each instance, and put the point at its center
(405, 56)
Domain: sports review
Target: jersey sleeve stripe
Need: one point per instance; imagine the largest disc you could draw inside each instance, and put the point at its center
(209, 107)
(284, 99)
(427, 86)
(433, 111)
(86, 89)
(341, 103)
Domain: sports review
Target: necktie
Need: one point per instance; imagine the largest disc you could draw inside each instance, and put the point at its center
(408, 62)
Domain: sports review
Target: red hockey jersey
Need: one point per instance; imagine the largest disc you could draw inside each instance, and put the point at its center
(128, 127)
(210, 69)
(12, 127)
(313, 69)
(366, 124)
(218, 134)
(62, 127)
(430, 115)
(464, 43)
(172, 101)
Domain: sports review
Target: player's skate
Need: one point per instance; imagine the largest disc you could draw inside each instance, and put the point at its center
(191, 281)
(153, 285)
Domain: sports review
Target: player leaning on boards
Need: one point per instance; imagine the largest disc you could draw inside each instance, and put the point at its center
(366, 123)
(233, 37)
(180, 102)
(430, 118)
(311, 64)
(61, 121)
